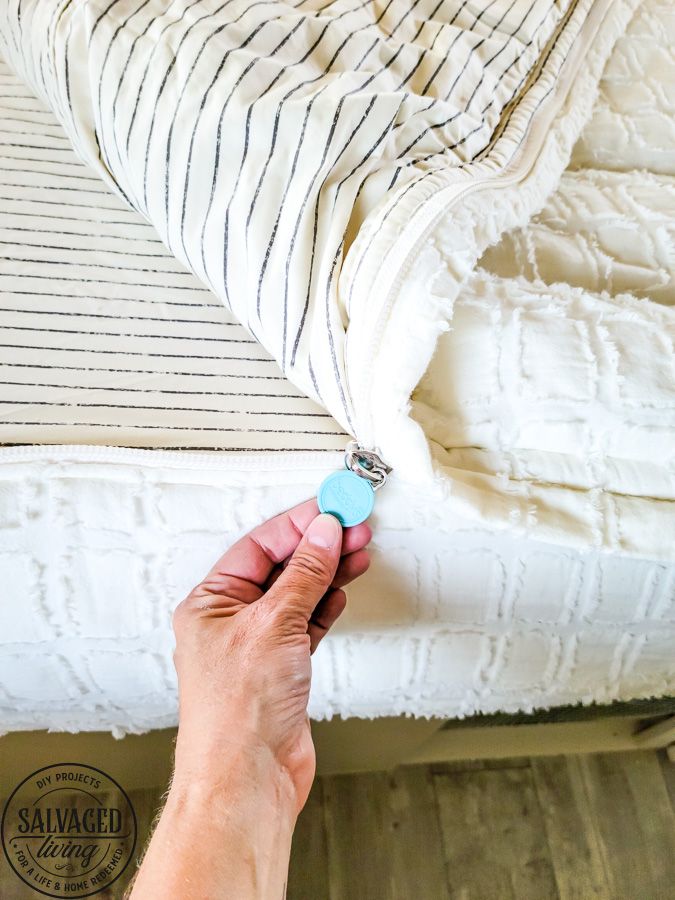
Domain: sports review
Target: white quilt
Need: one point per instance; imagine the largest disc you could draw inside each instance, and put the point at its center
(525, 551)
(100, 543)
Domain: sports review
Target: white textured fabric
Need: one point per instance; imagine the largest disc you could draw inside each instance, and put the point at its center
(604, 231)
(451, 619)
(587, 439)
(610, 225)
(633, 123)
(334, 174)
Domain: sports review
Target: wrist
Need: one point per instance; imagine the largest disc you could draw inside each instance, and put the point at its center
(230, 824)
(237, 770)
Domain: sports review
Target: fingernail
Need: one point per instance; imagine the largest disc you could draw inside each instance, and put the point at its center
(324, 531)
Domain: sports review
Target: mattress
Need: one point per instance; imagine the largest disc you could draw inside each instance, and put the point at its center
(145, 427)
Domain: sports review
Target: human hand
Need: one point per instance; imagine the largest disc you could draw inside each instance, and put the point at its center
(243, 641)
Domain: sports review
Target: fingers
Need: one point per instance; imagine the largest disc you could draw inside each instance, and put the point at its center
(324, 616)
(310, 570)
(355, 538)
(351, 567)
(254, 556)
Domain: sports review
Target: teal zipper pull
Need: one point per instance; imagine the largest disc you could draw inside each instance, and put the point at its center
(349, 493)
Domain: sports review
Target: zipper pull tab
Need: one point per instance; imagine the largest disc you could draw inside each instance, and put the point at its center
(349, 493)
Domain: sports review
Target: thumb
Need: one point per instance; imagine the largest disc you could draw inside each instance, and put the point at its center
(310, 570)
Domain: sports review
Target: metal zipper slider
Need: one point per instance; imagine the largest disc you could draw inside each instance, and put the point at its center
(349, 493)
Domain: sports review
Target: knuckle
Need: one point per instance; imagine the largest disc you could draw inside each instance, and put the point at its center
(306, 566)
(181, 613)
(263, 620)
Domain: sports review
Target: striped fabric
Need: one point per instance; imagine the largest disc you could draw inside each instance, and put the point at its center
(274, 146)
(104, 337)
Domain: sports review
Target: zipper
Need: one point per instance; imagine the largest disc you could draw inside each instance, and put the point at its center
(358, 456)
(367, 463)
(518, 168)
(235, 460)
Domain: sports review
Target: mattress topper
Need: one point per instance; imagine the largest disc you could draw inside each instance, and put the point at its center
(370, 172)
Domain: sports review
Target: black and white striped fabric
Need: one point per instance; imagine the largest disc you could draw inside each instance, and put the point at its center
(263, 139)
(104, 337)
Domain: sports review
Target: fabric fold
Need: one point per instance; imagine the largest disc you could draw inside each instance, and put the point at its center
(334, 173)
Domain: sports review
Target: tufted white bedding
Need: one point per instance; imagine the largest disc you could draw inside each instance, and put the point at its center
(544, 575)
(100, 543)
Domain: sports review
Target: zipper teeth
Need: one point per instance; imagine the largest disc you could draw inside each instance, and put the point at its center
(293, 460)
(405, 267)
(514, 168)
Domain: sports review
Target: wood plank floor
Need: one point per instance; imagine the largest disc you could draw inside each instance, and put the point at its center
(598, 827)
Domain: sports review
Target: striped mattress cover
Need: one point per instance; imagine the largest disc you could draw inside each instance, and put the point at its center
(106, 338)
(108, 342)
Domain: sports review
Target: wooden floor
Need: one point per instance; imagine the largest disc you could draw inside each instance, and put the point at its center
(564, 828)
(574, 828)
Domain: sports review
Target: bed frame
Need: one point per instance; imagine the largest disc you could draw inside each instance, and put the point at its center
(357, 745)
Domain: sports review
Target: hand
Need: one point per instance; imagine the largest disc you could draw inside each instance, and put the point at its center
(243, 643)
(244, 754)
